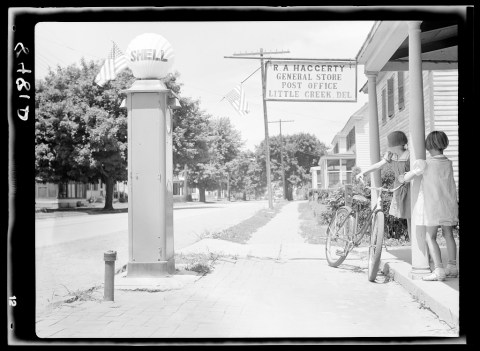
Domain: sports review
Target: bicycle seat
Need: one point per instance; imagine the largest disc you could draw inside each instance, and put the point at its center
(360, 198)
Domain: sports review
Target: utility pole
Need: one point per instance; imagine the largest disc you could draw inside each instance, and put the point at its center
(267, 144)
(281, 157)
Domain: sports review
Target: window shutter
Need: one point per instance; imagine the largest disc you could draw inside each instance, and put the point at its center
(384, 106)
(391, 105)
(401, 96)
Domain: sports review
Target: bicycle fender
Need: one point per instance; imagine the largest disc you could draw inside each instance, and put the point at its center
(348, 208)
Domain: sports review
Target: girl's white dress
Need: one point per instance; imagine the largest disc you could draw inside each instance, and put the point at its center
(437, 200)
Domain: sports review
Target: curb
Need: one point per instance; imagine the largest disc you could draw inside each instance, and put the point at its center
(437, 296)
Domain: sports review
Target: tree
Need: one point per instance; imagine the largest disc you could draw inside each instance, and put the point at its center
(81, 131)
(190, 137)
(245, 174)
(224, 143)
(300, 152)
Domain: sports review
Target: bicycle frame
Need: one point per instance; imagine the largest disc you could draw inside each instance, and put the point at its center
(359, 234)
(346, 233)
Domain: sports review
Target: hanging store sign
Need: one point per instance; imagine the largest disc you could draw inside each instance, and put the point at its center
(311, 80)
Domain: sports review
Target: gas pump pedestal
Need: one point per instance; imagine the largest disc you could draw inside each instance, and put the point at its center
(150, 179)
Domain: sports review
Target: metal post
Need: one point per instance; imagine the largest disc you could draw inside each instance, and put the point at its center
(283, 166)
(267, 143)
(281, 158)
(109, 257)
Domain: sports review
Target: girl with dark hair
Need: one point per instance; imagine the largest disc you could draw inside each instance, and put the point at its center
(399, 157)
(437, 203)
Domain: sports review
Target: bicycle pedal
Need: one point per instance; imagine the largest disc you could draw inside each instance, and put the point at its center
(340, 253)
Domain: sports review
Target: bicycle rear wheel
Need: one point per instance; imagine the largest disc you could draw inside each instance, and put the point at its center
(375, 249)
(339, 233)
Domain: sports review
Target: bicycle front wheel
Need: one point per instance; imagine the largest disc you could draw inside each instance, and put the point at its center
(375, 249)
(339, 234)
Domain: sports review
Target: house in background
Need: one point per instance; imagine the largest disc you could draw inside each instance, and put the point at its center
(73, 194)
(62, 195)
(350, 149)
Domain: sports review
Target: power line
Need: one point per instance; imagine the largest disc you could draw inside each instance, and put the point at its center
(261, 52)
(68, 47)
(249, 76)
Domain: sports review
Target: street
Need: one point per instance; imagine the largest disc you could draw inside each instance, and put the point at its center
(190, 222)
(69, 250)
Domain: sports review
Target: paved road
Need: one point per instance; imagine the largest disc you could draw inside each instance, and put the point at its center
(69, 250)
(190, 223)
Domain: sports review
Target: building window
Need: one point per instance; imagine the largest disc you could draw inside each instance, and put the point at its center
(351, 138)
(335, 149)
(71, 190)
(384, 106)
(42, 190)
(52, 190)
(333, 179)
(62, 190)
(346, 170)
(339, 172)
(333, 165)
(333, 172)
(391, 105)
(401, 94)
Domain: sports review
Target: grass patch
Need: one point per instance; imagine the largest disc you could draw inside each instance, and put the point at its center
(82, 295)
(91, 294)
(199, 262)
(242, 232)
(310, 228)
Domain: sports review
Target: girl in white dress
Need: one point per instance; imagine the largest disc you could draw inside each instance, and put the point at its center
(437, 203)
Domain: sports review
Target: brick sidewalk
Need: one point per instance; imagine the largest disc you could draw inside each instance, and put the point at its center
(278, 287)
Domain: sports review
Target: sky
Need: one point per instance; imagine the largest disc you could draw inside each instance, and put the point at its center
(200, 49)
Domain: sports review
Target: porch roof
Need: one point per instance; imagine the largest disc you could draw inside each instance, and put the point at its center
(386, 46)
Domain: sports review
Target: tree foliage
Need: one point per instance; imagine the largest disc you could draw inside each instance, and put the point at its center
(223, 142)
(81, 130)
(301, 151)
(245, 175)
(190, 135)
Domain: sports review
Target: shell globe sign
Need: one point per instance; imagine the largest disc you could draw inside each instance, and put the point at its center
(150, 56)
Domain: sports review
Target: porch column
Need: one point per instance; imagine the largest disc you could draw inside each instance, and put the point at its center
(420, 264)
(314, 178)
(374, 131)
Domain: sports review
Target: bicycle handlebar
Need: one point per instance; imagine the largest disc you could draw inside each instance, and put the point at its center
(385, 189)
(382, 188)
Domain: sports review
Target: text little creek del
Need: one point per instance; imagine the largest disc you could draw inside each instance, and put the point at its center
(320, 85)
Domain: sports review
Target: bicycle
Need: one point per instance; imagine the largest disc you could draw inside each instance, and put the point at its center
(342, 230)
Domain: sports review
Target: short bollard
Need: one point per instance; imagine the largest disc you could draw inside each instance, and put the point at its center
(109, 257)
